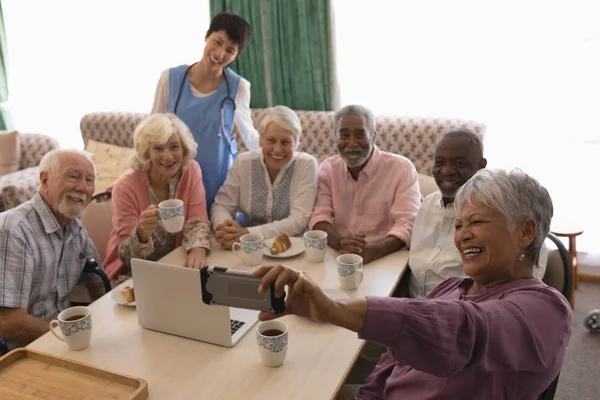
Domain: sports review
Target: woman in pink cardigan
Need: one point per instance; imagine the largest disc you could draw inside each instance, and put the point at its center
(163, 167)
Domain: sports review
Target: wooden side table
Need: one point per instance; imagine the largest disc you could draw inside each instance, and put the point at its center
(572, 235)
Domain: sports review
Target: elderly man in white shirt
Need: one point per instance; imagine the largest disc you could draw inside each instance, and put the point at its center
(433, 257)
(275, 186)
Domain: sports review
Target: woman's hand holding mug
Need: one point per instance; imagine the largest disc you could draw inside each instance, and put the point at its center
(148, 223)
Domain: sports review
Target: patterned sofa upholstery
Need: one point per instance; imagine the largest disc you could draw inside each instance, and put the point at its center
(21, 185)
(414, 138)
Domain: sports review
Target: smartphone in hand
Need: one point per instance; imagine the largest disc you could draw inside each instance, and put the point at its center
(237, 288)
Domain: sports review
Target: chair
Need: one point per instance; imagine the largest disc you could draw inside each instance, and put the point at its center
(3, 347)
(91, 267)
(24, 182)
(97, 221)
(559, 273)
(549, 393)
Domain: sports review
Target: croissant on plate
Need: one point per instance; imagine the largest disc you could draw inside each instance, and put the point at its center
(281, 244)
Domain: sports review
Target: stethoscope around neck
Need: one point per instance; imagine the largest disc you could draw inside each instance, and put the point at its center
(223, 133)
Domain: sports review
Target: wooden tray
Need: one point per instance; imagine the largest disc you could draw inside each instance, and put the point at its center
(31, 375)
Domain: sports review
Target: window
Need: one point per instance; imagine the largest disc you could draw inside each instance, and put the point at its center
(68, 58)
(527, 69)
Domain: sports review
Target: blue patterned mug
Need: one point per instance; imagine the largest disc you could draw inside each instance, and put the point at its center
(315, 243)
(250, 248)
(272, 341)
(350, 271)
(172, 215)
(76, 327)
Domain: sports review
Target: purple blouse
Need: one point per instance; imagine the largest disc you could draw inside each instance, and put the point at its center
(505, 342)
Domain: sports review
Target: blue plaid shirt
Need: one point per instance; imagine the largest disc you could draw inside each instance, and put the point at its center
(40, 262)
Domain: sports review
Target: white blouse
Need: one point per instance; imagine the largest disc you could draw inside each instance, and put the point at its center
(242, 118)
(282, 207)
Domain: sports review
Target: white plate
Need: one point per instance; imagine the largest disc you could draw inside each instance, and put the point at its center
(118, 297)
(297, 248)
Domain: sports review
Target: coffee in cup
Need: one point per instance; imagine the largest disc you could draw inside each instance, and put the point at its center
(76, 327)
(272, 340)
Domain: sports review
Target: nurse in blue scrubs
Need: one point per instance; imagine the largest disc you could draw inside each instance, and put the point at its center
(210, 98)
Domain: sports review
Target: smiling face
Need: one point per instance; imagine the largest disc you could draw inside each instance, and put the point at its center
(219, 50)
(277, 145)
(355, 142)
(165, 159)
(68, 189)
(457, 159)
(488, 249)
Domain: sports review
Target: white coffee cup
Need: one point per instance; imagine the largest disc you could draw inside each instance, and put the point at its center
(350, 271)
(172, 214)
(272, 348)
(315, 243)
(76, 327)
(250, 248)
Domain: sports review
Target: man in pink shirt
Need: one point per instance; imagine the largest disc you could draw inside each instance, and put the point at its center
(367, 199)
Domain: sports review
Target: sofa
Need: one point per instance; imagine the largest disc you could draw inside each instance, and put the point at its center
(22, 185)
(414, 138)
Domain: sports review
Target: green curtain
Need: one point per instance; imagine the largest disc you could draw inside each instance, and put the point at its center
(5, 120)
(295, 39)
(250, 63)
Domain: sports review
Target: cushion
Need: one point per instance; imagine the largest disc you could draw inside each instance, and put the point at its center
(427, 184)
(10, 152)
(111, 162)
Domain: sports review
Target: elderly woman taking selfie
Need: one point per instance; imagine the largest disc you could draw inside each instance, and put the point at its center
(275, 187)
(499, 333)
(163, 167)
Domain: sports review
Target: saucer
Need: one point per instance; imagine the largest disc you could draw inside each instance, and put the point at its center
(118, 297)
(297, 248)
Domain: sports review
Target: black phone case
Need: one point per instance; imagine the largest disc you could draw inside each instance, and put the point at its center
(215, 282)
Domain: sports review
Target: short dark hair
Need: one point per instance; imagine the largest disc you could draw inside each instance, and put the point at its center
(237, 28)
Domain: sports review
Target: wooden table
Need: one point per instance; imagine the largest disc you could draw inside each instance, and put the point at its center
(318, 359)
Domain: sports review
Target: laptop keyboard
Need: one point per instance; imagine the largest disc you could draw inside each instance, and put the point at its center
(235, 325)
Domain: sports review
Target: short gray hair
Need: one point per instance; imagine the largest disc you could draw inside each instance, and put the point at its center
(157, 129)
(515, 195)
(465, 132)
(51, 160)
(284, 117)
(355, 109)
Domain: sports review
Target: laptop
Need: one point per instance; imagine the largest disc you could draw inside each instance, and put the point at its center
(169, 299)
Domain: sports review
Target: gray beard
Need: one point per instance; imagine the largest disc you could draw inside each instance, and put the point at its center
(73, 211)
(357, 162)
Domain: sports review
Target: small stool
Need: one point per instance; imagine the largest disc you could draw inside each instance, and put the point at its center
(572, 235)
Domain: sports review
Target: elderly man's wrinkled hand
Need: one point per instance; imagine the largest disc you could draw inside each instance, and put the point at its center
(304, 297)
(353, 244)
(228, 232)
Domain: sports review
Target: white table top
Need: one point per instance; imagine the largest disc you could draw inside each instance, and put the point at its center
(318, 359)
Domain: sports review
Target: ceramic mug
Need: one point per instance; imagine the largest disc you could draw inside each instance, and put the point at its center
(172, 215)
(272, 341)
(250, 248)
(350, 271)
(76, 327)
(315, 243)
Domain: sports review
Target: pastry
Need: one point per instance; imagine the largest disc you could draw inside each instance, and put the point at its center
(281, 244)
(128, 293)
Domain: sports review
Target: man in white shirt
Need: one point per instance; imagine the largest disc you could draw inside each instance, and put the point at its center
(433, 257)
